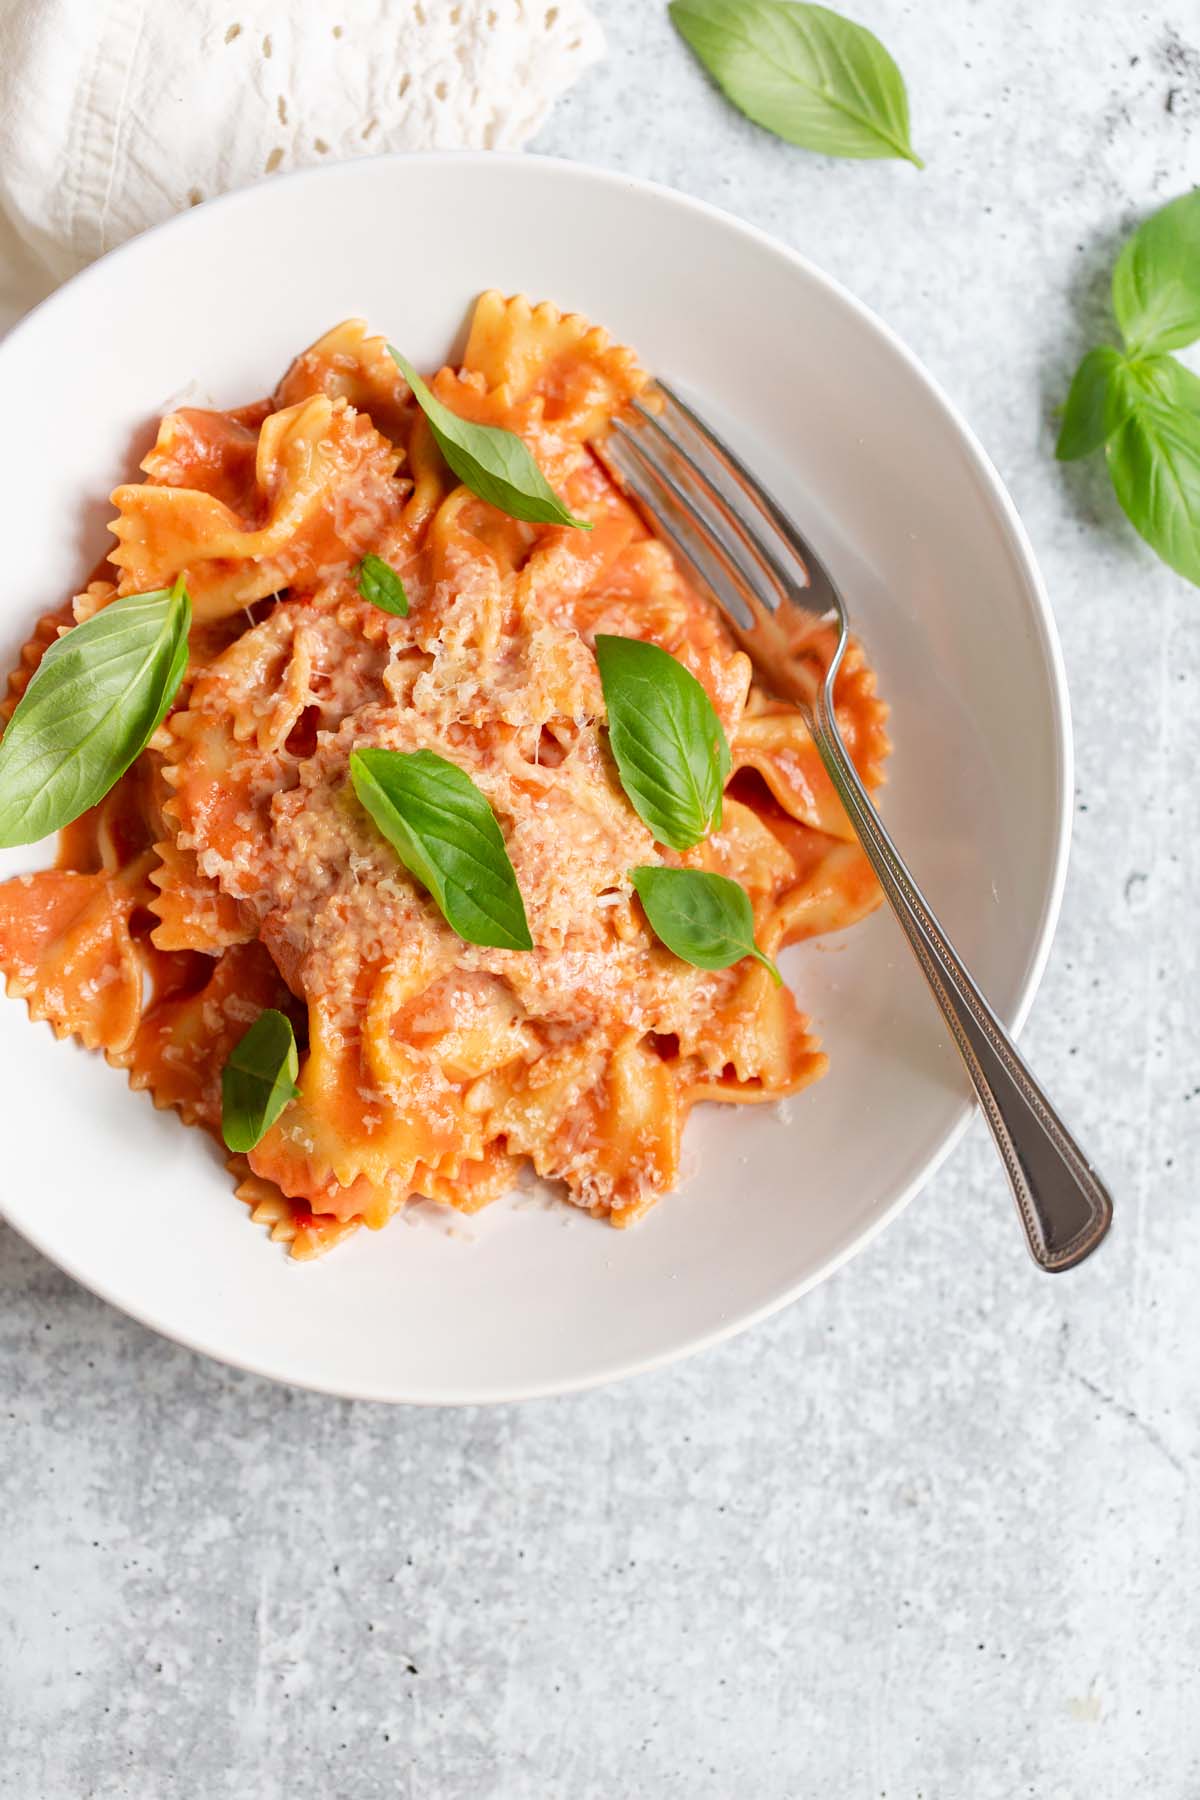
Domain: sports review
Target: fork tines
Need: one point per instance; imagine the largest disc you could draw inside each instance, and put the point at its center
(716, 516)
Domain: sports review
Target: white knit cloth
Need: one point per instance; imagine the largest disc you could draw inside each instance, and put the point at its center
(114, 114)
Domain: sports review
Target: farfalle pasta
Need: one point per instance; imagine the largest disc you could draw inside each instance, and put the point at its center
(231, 870)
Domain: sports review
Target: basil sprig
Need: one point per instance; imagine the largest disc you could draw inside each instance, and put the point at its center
(804, 72)
(704, 919)
(671, 753)
(259, 1080)
(492, 462)
(1139, 403)
(379, 583)
(98, 696)
(445, 833)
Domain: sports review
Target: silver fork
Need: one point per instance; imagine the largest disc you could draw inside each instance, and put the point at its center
(774, 592)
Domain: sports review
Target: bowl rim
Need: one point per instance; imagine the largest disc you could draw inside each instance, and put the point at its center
(1047, 641)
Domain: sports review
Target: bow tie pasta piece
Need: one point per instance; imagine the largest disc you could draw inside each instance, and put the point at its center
(193, 911)
(603, 1117)
(324, 490)
(250, 722)
(573, 371)
(359, 1114)
(835, 887)
(292, 1222)
(473, 1184)
(184, 1041)
(67, 950)
(208, 451)
(347, 364)
(755, 1044)
(773, 739)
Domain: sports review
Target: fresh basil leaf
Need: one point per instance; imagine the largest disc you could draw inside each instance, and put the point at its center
(446, 834)
(379, 583)
(1156, 280)
(1154, 463)
(492, 462)
(1085, 415)
(97, 698)
(1165, 378)
(670, 750)
(704, 919)
(803, 72)
(259, 1080)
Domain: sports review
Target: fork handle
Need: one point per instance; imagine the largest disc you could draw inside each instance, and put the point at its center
(1064, 1207)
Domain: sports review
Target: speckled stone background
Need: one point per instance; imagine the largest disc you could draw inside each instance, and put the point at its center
(933, 1533)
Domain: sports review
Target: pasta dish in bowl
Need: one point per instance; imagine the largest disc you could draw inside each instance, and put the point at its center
(418, 819)
(417, 827)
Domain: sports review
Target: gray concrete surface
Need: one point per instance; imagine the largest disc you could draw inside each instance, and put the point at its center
(930, 1535)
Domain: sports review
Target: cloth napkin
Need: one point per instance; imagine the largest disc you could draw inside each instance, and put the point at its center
(115, 114)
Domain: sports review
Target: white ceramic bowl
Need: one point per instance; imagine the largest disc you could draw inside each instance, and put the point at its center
(900, 499)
